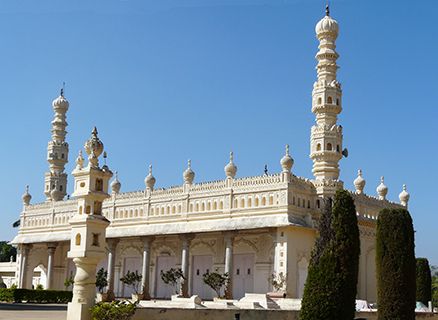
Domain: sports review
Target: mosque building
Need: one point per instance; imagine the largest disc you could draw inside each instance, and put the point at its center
(250, 227)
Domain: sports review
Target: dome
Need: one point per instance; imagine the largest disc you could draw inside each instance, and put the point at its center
(115, 184)
(94, 148)
(327, 25)
(150, 179)
(26, 196)
(60, 102)
(287, 162)
(359, 182)
(79, 161)
(404, 196)
(55, 194)
(230, 169)
(382, 190)
(189, 174)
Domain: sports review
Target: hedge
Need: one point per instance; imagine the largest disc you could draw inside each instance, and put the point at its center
(38, 296)
(424, 281)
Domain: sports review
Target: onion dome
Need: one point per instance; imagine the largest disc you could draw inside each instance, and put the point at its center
(26, 197)
(287, 162)
(79, 161)
(231, 169)
(94, 148)
(382, 190)
(189, 174)
(150, 179)
(60, 102)
(404, 196)
(359, 182)
(327, 25)
(115, 184)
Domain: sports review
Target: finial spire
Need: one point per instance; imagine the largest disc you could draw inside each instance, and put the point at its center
(63, 89)
(231, 157)
(327, 10)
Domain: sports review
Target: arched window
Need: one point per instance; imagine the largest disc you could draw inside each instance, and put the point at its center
(208, 206)
(264, 201)
(235, 203)
(308, 204)
(319, 100)
(271, 200)
(221, 205)
(78, 239)
(329, 146)
(318, 147)
(197, 207)
(191, 207)
(256, 202)
(337, 102)
(179, 208)
(215, 205)
(337, 148)
(249, 202)
(203, 206)
(242, 203)
(329, 100)
(173, 209)
(318, 204)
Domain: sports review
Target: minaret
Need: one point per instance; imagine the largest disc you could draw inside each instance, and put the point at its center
(326, 134)
(57, 152)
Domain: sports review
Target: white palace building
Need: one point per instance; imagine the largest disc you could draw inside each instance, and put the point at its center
(250, 227)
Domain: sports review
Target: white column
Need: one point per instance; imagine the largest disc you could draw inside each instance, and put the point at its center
(145, 271)
(23, 270)
(112, 246)
(229, 238)
(51, 248)
(185, 264)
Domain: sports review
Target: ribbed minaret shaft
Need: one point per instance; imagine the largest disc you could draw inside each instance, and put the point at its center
(326, 134)
(57, 152)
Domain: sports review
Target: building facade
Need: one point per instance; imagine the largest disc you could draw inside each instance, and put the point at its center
(250, 227)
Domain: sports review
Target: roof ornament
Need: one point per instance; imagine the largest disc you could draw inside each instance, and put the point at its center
(26, 197)
(62, 89)
(359, 182)
(189, 174)
(116, 185)
(382, 189)
(404, 196)
(150, 179)
(265, 171)
(231, 169)
(287, 162)
(327, 10)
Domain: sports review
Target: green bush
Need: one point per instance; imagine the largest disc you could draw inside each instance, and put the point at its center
(395, 262)
(331, 283)
(120, 310)
(216, 281)
(101, 279)
(424, 281)
(38, 296)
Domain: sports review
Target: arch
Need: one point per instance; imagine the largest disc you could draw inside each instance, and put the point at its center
(329, 146)
(78, 239)
(168, 209)
(208, 206)
(221, 205)
(203, 206)
(179, 208)
(249, 202)
(162, 211)
(264, 201)
(191, 207)
(338, 149)
(130, 213)
(197, 207)
(235, 203)
(136, 213)
(271, 200)
(242, 203)
(319, 100)
(202, 245)
(318, 147)
(293, 200)
(173, 209)
(337, 101)
(329, 100)
(152, 211)
(256, 201)
(308, 204)
(215, 205)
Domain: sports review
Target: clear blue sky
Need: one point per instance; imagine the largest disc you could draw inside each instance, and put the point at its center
(169, 80)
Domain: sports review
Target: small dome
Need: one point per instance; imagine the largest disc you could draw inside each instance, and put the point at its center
(60, 102)
(359, 182)
(26, 197)
(79, 161)
(327, 25)
(404, 196)
(115, 184)
(287, 162)
(189, 174)
(382, 189)
(231, 169)
(150, 179)
(56, 194)
(94, 148)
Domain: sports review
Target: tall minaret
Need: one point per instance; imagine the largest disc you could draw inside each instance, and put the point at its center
(326, 135)
(57, 152)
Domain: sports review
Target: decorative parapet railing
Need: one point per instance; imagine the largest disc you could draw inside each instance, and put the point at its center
(368, 207)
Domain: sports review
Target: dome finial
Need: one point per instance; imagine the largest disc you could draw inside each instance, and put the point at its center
(189, 174)
(382, 189)
(287, 162)
(231, 169)
(404, 196)
(116, 185)
(327, 10)
(359, 182)
(26, 196)
(150, 179)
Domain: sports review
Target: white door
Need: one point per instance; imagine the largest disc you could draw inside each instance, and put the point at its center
(243, 275)
(131, 264)
(200, 266)
(164, 263)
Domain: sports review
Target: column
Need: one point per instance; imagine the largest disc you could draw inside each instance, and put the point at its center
(145, 271)
(185, 264)
(51, 248)
(112, 246)
(229, 238)
(23, 270)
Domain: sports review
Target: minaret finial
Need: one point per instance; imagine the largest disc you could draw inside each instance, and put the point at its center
(327, 10)
(63, 89)
(231, 157)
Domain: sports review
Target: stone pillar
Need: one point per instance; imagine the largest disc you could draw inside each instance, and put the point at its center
(185, 264)
(229, 238)
(112, 246)
(145, 271)
(23, 270)
(51, 248)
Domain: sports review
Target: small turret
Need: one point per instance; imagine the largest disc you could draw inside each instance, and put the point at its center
(231, 169)
(26, 197)
(382, 189)
(150, 180)
(115, 184)
(359, 182)
(189, 174)
(404, 196)
(287, 162)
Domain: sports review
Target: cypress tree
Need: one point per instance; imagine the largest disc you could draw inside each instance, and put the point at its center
(395, 261)
(331, 284)
(424, 281)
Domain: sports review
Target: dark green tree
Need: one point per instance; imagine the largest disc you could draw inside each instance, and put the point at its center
(395, 262)
(7, 251)
(331, 283)
(424, 281)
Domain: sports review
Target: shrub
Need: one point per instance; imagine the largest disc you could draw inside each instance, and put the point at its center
(101, 279)
(423, 281)
(132, 279)
(331, 284)
(216, 281)
(278, 281)
(68, 282)
(39, 286)
(120, 310)
(38, 296)
(172, 276)
(395, 261)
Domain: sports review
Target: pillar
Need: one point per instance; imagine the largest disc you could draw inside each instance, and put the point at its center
(145, 271)
(185, 264)
(112, 246)
(23, 270)
(51, 248)
(229, 238)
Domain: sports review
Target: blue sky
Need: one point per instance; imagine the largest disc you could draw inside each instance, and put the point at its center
(169, 80)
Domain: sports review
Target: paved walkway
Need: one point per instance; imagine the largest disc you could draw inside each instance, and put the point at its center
(25, 311)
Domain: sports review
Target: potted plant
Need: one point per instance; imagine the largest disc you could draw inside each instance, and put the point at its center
(278, 282)
(133, 279)
(172, 277)
(216, 281)
(101, 283)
